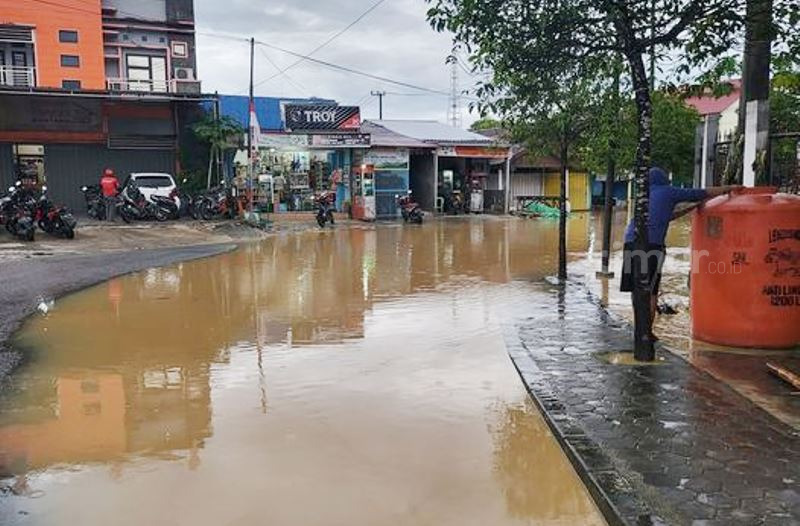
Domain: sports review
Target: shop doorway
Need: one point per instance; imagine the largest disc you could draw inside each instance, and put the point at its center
(422, 179)
(29, 164)
(462, 183)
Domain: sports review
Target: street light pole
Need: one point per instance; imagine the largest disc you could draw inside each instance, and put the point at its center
(380, 95)
(250, 133)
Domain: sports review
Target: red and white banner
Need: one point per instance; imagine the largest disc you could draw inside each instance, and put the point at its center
(255, 131)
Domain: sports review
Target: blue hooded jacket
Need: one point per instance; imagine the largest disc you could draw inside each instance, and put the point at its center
(663, 198)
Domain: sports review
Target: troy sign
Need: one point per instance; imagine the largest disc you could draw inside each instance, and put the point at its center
(304, 117)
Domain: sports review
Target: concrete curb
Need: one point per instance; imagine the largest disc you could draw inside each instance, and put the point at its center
(577, 446)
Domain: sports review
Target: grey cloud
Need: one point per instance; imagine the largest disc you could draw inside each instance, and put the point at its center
(393, 41)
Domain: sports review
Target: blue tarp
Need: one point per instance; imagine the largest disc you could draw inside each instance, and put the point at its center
(268, 109)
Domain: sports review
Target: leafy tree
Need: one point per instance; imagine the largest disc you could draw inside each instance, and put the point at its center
(543, 42)
(674, 126)
(485, 123)
(220, 133)
(556, 133)
(784, 121)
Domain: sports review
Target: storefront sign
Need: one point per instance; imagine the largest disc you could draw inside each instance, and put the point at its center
(489, 152)
(340, 140)
(52, 114)
(282, 141)
(387, 159)
(301, 117)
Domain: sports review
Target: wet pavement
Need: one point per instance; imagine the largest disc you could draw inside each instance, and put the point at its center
(663, 443)
(744, 370)
(353, 376)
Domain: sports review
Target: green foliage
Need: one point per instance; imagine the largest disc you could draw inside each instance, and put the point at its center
(674, 126)
(485, 123)
(785, 99)
(192, 181)
(223, 132)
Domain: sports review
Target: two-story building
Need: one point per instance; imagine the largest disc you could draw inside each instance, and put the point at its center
(90, 84)
(117, 45)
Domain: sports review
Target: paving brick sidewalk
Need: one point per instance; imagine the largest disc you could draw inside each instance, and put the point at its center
(657, 444)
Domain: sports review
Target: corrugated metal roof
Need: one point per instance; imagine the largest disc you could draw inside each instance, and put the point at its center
(380, 136)
(711, 105)
(434, 132)
(268, 109)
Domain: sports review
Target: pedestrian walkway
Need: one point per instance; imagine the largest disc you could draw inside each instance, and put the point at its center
(655, 444)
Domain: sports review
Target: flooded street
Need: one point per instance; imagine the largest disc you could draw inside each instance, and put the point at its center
(353, 376)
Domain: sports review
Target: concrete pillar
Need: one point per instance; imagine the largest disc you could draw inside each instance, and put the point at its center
(507, 205)
(708, 150)
(756, 138)
(435, 180)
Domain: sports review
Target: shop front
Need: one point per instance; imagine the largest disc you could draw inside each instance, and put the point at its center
(470, 178)
(313, 153)
(291, 168)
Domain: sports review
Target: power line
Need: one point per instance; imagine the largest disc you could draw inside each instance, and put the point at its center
(325, 43)
(351, 70)
(283, 72)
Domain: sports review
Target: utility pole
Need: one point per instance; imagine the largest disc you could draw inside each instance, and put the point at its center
(250, 155)
(754, 103)
(380, 95)
(217, 153)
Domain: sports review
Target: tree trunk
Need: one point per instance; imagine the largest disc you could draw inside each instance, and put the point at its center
(562, 216)
(643, 344)
(608, 215)
(608, 201)
(210, 164)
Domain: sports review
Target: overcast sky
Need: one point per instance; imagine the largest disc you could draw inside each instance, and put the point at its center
(392, 41)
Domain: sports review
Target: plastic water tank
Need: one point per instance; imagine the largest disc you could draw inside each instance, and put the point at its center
(745, 286)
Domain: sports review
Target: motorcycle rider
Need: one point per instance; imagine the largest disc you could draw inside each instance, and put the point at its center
(110, 187)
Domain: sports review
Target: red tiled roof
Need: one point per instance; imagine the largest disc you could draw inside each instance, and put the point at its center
(710, 105)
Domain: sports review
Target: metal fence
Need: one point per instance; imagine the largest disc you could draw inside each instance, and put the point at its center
(784, 165)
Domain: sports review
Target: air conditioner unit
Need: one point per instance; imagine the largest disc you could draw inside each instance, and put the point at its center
(184, 73)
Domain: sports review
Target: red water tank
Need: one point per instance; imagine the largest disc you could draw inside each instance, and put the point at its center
(745, 287)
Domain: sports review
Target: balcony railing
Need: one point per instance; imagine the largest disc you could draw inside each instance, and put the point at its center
(154, 86)
(18, 76)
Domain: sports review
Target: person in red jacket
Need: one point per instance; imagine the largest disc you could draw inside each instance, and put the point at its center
(109, 186)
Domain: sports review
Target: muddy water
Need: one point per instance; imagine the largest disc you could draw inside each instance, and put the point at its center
(355, 376)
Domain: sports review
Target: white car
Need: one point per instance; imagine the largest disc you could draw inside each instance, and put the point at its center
(154, 183)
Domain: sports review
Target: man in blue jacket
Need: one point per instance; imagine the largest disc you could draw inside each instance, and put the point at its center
(663, 199)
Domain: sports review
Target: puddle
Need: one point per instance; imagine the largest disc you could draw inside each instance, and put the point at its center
(357, 377)
(626, 358)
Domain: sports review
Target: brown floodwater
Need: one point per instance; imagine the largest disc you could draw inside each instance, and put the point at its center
(353, 376)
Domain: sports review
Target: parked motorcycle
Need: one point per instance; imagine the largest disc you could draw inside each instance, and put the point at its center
(95, 202)
(187, 200)
(132, 205)
(216, 202)
(168, 204)
(55, 220)
(16, 213)
(326, 204)
(409, 209)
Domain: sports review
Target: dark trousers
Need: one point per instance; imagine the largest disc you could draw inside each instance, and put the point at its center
(111, 208)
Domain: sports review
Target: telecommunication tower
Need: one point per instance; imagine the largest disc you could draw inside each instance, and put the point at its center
(454, 101)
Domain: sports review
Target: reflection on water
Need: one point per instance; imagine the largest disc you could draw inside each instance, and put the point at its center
(354, 376)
